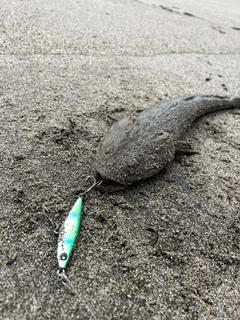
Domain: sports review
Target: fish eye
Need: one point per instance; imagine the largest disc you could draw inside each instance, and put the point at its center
(63, 256)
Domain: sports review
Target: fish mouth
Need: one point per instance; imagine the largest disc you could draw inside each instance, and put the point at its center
(108, 185)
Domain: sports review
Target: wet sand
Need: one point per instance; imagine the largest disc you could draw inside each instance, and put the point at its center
(164, 248)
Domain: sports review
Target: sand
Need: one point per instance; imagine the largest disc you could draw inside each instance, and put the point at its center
(164, 248)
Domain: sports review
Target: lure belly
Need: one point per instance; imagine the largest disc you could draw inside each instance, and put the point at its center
(68, 234)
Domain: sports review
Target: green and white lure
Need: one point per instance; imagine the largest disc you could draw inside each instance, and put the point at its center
(69, 231)
(68, 234)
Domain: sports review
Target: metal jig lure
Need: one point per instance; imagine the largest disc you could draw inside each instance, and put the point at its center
(69, 231)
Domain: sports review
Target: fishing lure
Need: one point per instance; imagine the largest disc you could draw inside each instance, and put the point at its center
(70, 229)
(68, 234)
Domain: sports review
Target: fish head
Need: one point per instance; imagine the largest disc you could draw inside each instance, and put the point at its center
(131, 152)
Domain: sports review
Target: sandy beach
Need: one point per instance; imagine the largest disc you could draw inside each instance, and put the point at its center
(164, 248)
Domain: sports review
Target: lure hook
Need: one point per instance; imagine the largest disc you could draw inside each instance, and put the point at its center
(95, 184)
(62, 276)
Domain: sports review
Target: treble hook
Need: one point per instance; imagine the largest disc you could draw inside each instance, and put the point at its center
(62, 276)
(95, 184)
(67, 283)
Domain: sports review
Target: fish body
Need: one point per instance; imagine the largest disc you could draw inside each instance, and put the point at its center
(136, 149)
(68, 234)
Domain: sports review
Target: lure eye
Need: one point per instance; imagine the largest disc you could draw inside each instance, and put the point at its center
(63, 256)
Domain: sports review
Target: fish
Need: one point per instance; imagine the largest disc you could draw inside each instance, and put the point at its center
(137, 148)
